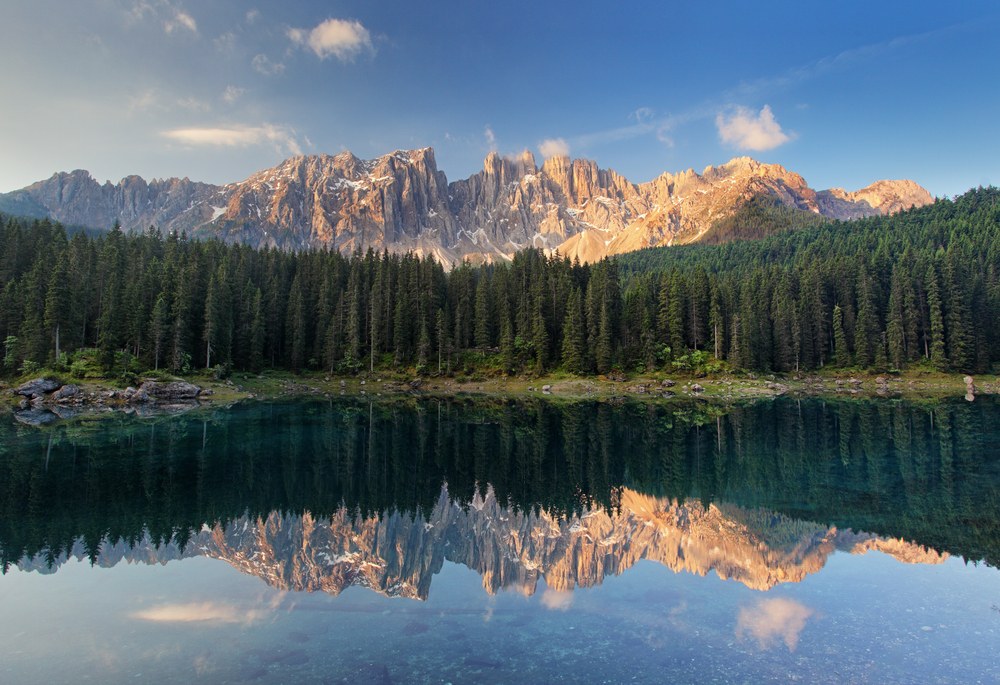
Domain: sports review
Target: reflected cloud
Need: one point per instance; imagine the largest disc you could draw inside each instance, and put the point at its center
(771, 620)
(557, 600)
(199, 612)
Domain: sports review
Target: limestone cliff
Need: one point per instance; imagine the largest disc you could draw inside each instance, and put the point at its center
(403, 202)
(397, 555)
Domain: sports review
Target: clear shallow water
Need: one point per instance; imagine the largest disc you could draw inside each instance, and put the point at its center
(578, 563)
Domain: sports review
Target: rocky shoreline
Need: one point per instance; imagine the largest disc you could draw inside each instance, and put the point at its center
(44, 400)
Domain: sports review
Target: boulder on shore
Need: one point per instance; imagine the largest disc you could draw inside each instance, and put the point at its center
(37, 387)
(66, 392)
(169, 392)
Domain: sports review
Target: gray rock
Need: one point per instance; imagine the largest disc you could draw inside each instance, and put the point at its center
(37, 386)
(667, 383)
(35, 417)
(170, 392)
(547, 389)
(697, 388)
(65, 393)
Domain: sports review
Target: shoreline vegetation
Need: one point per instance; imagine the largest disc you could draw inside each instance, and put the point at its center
(103, 395)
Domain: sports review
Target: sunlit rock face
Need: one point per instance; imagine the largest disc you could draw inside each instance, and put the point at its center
(398, 554)
(402, 202)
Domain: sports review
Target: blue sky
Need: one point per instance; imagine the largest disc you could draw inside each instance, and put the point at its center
(843, 93)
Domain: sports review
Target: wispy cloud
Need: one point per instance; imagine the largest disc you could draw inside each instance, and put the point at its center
(641, 115)
(491, 138)
(232, 93)
(172, 17)
(841, 60)
(152, 99)
(225, 43)
(263, 64)
(282, 138)
(649, 125)
(252, 15)
(746, 130)
(181, 20)
(344, 39)
(554, 147)
(203, 612)
(557, 600)
(772, 619)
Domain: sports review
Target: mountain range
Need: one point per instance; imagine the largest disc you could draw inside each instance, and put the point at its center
(397, 555)
(403, 202)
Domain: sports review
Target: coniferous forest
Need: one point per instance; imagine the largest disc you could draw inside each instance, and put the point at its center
(888, 293)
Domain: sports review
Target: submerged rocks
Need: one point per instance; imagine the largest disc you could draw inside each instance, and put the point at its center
(35, 417)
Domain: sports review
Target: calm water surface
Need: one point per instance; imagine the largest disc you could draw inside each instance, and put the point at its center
(435, 541)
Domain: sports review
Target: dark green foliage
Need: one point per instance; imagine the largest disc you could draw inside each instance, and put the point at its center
(761, 217)
(917, 286)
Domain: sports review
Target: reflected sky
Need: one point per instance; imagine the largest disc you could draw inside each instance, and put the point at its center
(864, 619)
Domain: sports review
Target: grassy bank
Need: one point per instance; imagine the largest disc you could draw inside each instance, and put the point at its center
(913, 385)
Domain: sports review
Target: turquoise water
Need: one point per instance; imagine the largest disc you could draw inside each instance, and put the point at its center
(427, 541)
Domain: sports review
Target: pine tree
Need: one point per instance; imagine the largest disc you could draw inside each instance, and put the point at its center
(257, 333)
(58, 302)
(159, 327)
(573, 343)
(841, 353)
(540, 341)
(937, 349)
(895, 324)
(866, 330)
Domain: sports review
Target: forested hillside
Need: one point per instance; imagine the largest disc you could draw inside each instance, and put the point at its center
(921, 287)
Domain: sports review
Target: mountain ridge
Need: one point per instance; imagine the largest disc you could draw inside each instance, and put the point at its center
(396, 555)
(402, 202)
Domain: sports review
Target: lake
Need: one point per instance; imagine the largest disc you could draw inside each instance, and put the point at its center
(457, 541)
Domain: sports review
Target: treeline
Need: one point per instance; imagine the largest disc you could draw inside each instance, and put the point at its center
(886, 293)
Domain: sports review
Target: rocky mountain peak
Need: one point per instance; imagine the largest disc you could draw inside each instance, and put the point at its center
(401, 201)
(397, 555)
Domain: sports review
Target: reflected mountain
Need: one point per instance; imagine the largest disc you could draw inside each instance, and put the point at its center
(321, 496)
(397, 555)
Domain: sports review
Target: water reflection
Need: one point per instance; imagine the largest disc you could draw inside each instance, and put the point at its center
(322, 496)
(397, 554)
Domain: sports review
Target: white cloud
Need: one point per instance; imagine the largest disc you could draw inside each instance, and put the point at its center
(146, 100)
(204, 612)
(771, 619)
(252, 15)
(491, 138)
(748, 131)
(557, 600)
(226, 43)
(262, 64)
(181, 20)
(641, 115)
(341, 38)
(282, 137)
(193, 104)
(232, 93)
(554, 147)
